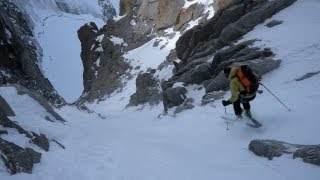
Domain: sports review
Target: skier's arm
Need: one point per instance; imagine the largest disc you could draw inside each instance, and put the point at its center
(234, 91)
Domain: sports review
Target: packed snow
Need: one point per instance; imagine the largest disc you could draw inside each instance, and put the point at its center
(137, 143)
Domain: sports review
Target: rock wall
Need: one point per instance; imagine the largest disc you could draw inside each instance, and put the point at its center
(20, 55)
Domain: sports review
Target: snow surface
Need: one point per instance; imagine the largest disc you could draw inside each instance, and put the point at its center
(61, 62)
(134, 143)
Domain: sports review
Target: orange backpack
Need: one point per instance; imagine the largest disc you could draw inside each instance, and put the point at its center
(248, 79)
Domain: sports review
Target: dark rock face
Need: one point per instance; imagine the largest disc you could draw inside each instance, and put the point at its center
(174, 97)
(18, 51)
(18, 159)
(227, 25)
(102, 61)
(147, 90)
(39, 140)
(272, 148)
(5, 109)
(196, 75)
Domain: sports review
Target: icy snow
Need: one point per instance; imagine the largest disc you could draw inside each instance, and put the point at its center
(61, 62)
(133, 143)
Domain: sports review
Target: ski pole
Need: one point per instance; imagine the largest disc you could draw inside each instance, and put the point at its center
(225, 112)
(275, 97)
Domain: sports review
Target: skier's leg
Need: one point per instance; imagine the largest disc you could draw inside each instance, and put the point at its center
(237, 108)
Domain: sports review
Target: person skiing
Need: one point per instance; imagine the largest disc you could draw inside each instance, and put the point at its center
(243, 86)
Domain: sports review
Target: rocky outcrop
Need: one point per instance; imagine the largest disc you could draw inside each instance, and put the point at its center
(102, 61)
(167, 13)
(39, 140)
(215, 39)
(19, 53)
(272, 148)
(173, 96)
(227, 25)
(108, 11)
(147, 90)
(18, 159)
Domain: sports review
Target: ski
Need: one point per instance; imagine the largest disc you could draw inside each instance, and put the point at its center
(256, 123)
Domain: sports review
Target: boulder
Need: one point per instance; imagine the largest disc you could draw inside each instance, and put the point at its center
(146, 90)
(273, 23)
(174, 97)
(268, 148)
(187, 104)
(196, 75)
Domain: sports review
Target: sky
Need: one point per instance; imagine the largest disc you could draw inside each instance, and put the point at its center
(135, 144)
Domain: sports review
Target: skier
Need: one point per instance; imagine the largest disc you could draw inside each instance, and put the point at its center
(243, 86)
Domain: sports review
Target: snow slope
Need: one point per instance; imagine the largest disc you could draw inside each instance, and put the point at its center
(134, 143)
(61, 62)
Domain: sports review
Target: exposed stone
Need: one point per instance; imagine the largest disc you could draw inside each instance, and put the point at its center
(186, 15)
(187, 104)
(102, 69)
(40, 141)
(126, 6)
(273, 23)
(211, 97)
(147, 90)
(18, 159)
(268, 148)
(220, 82)
(262, 11)
(309, 154)
(167, 13)
(227, 25)
(196, 75)
(272, 148)
(308, 75)
(5, 108)
(174, 97)
(220, 4)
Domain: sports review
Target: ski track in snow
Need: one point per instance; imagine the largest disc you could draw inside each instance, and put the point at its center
(135, 144)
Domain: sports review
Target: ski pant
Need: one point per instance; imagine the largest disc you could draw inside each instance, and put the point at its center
(245, 102)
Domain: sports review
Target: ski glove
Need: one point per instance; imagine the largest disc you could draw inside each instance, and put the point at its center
(226, 103)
